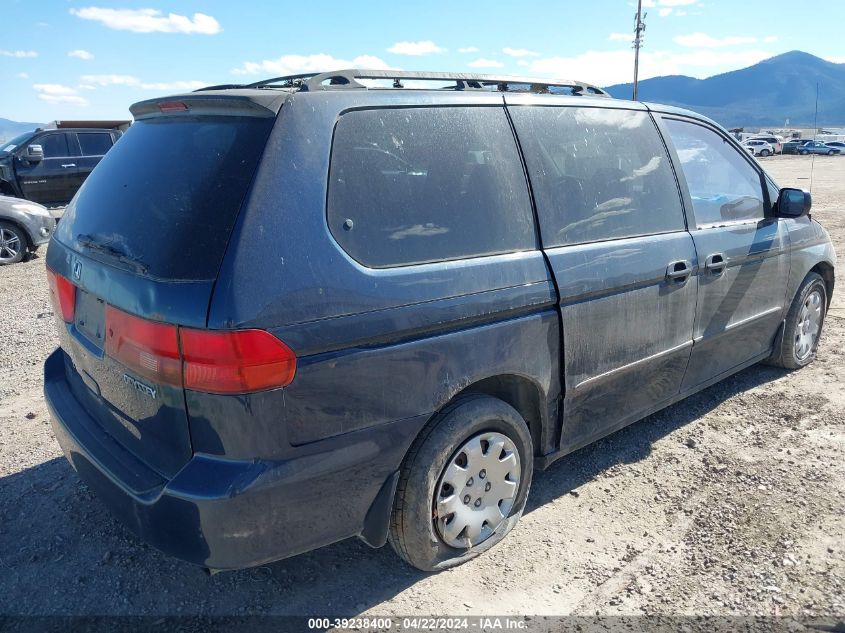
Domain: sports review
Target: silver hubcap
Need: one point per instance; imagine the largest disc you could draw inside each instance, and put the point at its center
(10, 245)
(809, 324)
(477, 490)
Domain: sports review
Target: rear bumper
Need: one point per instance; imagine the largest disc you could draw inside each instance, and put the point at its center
(229, 514)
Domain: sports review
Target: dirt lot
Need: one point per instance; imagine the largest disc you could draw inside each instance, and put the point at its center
(731, 502)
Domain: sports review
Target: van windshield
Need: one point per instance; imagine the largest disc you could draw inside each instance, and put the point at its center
(166, 197)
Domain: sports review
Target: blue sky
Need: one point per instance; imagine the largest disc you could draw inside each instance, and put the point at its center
(64, 59)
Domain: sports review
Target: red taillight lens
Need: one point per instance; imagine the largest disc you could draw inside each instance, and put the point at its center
(62, 295)
(213, 361)
(238, 361)
(147, 348)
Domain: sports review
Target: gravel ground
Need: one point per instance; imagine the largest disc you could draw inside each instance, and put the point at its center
(730, 502)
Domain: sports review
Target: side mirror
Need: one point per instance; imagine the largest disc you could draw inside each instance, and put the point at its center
(35, 153)
(793, 203)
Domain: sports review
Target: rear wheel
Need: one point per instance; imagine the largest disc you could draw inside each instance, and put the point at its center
(831, 153)
(463, 485)
(12, 244)
(803, 325)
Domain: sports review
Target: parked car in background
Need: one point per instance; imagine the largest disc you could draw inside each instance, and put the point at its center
(49, 166)
(840, 145)
(758, 147)
(817, 147)
(792, 147)
(24, 226)
(458, 298)
(775, 141)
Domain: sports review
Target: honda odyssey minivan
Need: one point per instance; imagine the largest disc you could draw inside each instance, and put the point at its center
(335, 305)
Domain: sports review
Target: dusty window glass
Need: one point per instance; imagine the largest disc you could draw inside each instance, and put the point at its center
(723, 185)
(597, 173)
(417, 185)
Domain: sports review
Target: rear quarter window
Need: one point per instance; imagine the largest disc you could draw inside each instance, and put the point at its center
(418, 185)
(94, 143)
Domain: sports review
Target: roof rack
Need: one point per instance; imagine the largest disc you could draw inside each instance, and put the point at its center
(348, 79)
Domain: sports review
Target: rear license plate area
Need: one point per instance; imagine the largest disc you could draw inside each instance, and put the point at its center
(90, 317)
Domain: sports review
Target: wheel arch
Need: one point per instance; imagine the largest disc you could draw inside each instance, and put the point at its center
(825, 269)
(29, 241)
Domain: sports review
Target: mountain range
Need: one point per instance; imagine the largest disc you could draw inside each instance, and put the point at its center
(765, 94)
(10, 129)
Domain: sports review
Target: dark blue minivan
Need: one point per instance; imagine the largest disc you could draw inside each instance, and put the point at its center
(338, 305)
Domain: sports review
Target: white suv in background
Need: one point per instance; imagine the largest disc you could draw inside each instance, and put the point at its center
(775, 141)
(758, 147)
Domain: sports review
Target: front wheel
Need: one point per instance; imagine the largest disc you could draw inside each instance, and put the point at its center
(803, 325)
(13, 244)
(764, 153)
(463, 485)
(804, 152)
(831, 153)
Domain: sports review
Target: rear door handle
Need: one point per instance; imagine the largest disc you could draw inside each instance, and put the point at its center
(69, 165)
(679, 271)
(716, 263)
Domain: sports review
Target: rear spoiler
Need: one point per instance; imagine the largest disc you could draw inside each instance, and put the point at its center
(231, 103)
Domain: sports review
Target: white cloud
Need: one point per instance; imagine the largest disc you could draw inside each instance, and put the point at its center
(468, 49)
(59, 94)
(520, 52)
(669, 7)
(294, 64)
(621, 37)
(149, 20)
(771, 38)
(185, 86)
(605, 68)
(18, 54)
(836, 60)
(23, 75)
(111, 80)
(426, 47)
(702, 40)
(81, 54)
(485, 63)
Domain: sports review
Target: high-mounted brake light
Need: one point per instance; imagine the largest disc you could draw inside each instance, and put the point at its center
(62, 295)
(172, 106)
(213, 361)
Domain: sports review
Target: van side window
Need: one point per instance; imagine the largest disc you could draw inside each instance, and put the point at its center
(94, 143)
(54, 145)
(597, 173)
(416, 185)
(723, 185)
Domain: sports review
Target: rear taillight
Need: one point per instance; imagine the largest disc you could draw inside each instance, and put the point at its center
(62, 295)
(147, 348)
(213, 361)
(237, 361)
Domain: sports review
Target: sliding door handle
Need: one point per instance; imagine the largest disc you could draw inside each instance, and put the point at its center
(679, 271)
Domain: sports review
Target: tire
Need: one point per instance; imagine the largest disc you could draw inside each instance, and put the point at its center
(764, 153)
(450, 445)
(831, 153)
(13, 244)
(797, 350)
(804, 152)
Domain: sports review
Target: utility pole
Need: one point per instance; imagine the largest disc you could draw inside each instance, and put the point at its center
(638, 42)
